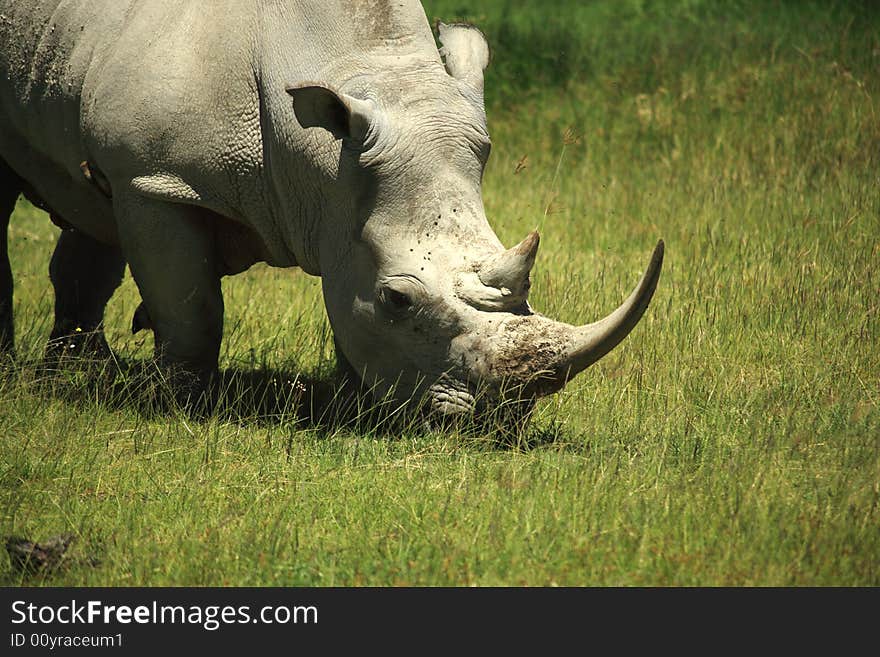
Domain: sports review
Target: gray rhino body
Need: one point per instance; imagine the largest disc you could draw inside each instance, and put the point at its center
(192, 139)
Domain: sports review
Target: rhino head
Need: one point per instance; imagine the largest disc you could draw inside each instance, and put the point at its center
(424, 300)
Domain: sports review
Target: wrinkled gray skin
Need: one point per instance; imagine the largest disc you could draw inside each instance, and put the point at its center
(192, 139)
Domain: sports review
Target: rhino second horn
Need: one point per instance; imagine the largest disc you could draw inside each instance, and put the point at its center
(509, 271)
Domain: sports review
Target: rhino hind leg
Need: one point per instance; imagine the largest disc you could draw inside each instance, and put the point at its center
(171, 250)
(85, 273)
(10, 188)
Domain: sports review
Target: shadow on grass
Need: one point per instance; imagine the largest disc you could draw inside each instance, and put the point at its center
(44, 563)
(322, 401)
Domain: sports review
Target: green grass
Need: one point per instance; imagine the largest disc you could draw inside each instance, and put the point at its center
(732, 439)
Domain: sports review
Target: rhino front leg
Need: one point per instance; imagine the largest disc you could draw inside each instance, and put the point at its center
(9, 191)
(85, 273)
(171, 251)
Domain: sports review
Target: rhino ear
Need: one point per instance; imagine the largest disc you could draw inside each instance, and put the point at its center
(465, 52)
(344, 116)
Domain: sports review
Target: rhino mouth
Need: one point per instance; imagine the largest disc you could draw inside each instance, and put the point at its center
(450, 397)
(469, 406)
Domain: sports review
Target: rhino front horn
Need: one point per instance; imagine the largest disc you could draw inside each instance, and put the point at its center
(509, 271)
(587, 344)
(546, 354)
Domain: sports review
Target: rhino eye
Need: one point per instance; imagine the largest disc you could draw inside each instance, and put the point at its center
(395, 301)
(398, 299)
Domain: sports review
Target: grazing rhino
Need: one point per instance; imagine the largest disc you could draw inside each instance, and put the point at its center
(192, 139)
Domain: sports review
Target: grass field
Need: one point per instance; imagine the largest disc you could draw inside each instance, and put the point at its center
(732, 439)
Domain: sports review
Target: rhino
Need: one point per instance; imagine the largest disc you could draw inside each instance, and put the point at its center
(190, 140)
